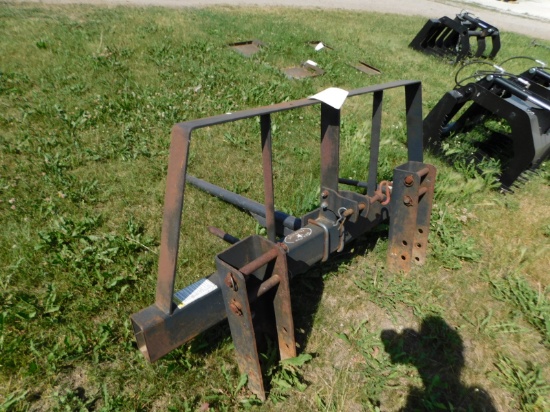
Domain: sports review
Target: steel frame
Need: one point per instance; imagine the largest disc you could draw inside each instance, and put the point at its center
(446, 36)
(256, 266)
(526, 108)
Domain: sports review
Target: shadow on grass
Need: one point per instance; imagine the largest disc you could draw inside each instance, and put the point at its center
(306, 291)
(437, 351)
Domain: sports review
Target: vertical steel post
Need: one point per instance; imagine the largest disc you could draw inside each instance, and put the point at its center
(330, 152)
(410, 205)
(413, 102)
(375, 141)
(173, 207)
(267, 160)
(246, 271)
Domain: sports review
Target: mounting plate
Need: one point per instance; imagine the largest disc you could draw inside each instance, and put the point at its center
(304, 70)
(366, 68)
(247, 48)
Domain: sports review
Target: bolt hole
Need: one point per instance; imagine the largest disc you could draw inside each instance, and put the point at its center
(419, 245)
(288, 347)
(420, 231)
(284, 330)
(403, 257)
(417, 259)
(404, 243)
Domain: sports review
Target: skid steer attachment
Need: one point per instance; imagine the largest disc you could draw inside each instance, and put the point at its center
(540, 76)
(257, 270)
(524, 106)
(451, 37)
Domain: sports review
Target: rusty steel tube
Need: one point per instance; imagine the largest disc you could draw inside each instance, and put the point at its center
(264, 287)
(423, 172)
(257, 263)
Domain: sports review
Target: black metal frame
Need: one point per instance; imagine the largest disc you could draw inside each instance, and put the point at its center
(526, 111)
(451, 37)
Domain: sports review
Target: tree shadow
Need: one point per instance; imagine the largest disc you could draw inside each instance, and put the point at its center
(437, 351)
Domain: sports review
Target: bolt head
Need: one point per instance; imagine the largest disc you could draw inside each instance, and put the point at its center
(230, 282)
(235, 308)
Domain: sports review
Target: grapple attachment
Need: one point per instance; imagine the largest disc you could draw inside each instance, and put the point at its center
(451, 37)
(539, 76)
(252, 275)
(521, 106)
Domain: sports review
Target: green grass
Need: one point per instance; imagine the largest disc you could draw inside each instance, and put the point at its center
(87, 100)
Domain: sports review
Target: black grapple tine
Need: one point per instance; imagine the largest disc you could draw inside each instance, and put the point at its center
(451, 37)
(527, 114)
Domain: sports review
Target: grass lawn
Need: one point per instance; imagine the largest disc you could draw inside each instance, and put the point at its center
(88, 96)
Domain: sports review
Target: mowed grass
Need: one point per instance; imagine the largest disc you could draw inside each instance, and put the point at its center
(87, 100)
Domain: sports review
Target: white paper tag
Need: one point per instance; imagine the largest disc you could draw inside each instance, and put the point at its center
(333, 96)
(319, 46)
(311, 63)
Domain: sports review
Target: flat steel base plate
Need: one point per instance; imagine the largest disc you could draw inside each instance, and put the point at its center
(366, 68)
(247, 48)
(303, 71)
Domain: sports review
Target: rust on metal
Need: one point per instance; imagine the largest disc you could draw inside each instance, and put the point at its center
(408, 235)
(382, 194)
(366, 68)
(236, 308)
(173, 206)
(266, 286)
(243, 260)
(222, 235)
(255, 270)
(260, 261)
(247, 48)
(348, 213)
(230, 281)
(304, 70)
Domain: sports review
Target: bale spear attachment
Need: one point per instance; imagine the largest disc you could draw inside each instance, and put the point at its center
(257, 269)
